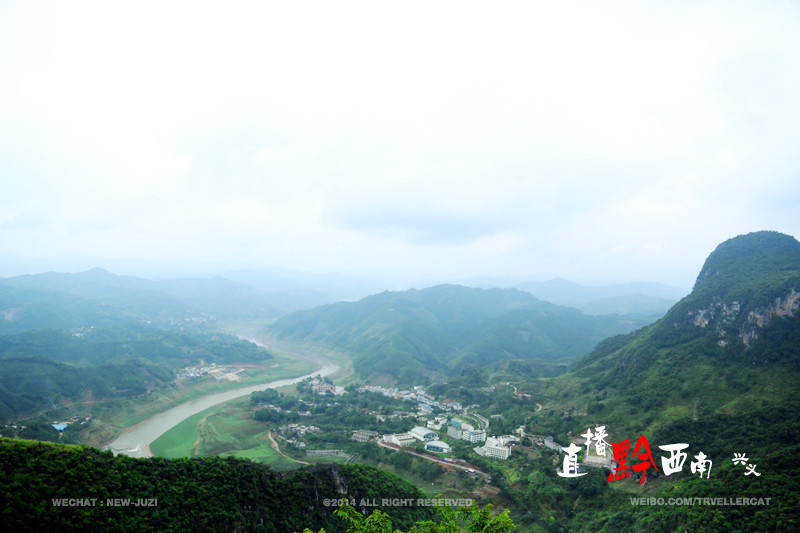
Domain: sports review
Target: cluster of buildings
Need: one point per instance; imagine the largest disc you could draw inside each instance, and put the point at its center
(270, 407)
(494, 447)
(322, 387)
(426, 403)
(459, 429)
(194, 371)
(291, 432)
(473, 432)
(61, 426)
(468, 426)
(299, 429)
(437, 423)
(390, 392)
(13, 427)
(417, 434)
(217, 372)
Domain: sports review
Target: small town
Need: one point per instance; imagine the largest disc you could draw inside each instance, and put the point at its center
(438, 431)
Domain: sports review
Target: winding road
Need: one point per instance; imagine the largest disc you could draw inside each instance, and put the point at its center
(278, 449)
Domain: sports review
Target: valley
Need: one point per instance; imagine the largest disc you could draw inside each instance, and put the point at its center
(136, 441)
(465, 394)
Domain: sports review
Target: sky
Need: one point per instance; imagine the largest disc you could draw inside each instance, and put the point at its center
(600, 142)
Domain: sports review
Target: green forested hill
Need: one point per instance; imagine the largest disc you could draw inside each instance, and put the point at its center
(96, 335)
(732, 344)
(719, 372)
(43, 369)
(411, 335)
(44, 483)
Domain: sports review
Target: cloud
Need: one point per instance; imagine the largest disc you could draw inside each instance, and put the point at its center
(416, 221)
(432, 139)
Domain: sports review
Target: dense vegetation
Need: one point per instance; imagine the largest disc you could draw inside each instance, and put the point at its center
(719, 371)
(692, 377)
(730, 345)
(469, 519)
(94, 336)
(414, 335)
(45, 369)
(199, 494)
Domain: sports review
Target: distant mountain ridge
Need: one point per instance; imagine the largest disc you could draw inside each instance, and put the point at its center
(67, 337)
(408, 336)
(648, 298)
(98, 297)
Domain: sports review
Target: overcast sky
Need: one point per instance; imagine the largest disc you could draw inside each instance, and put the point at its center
(595, 141)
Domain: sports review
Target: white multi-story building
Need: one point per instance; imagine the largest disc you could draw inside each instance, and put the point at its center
(476, 435)
(494, 447)
(459, 429)
(322, 388)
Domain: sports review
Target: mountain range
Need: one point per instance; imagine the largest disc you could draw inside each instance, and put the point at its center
(645, 297)
(719, 372)
(71, 332)
(413, 336)
(97, 297)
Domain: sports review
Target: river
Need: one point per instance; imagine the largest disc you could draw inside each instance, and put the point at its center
(135, 441)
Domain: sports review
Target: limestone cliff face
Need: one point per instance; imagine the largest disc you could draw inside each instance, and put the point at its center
(785, 306)
(732, 324)
(745, 284)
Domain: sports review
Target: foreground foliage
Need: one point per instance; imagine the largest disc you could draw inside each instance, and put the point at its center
(469, 519)
(74, 488)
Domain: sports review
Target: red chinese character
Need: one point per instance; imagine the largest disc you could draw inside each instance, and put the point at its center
(644, 465)
(620, 451)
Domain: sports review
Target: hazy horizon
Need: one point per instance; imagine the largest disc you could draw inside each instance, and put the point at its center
(411, 144)
(14, 267)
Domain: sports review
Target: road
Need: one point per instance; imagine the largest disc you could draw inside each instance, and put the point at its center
(395, 448)
(278, 449)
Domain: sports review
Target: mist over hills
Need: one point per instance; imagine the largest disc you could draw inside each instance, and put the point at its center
(740, 312)
(98, 297)
(438, 333)
(719, 371)
(648, 298)
(412, 335)
(69, 337)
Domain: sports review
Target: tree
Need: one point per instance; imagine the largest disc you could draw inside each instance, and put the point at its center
(469, 519)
